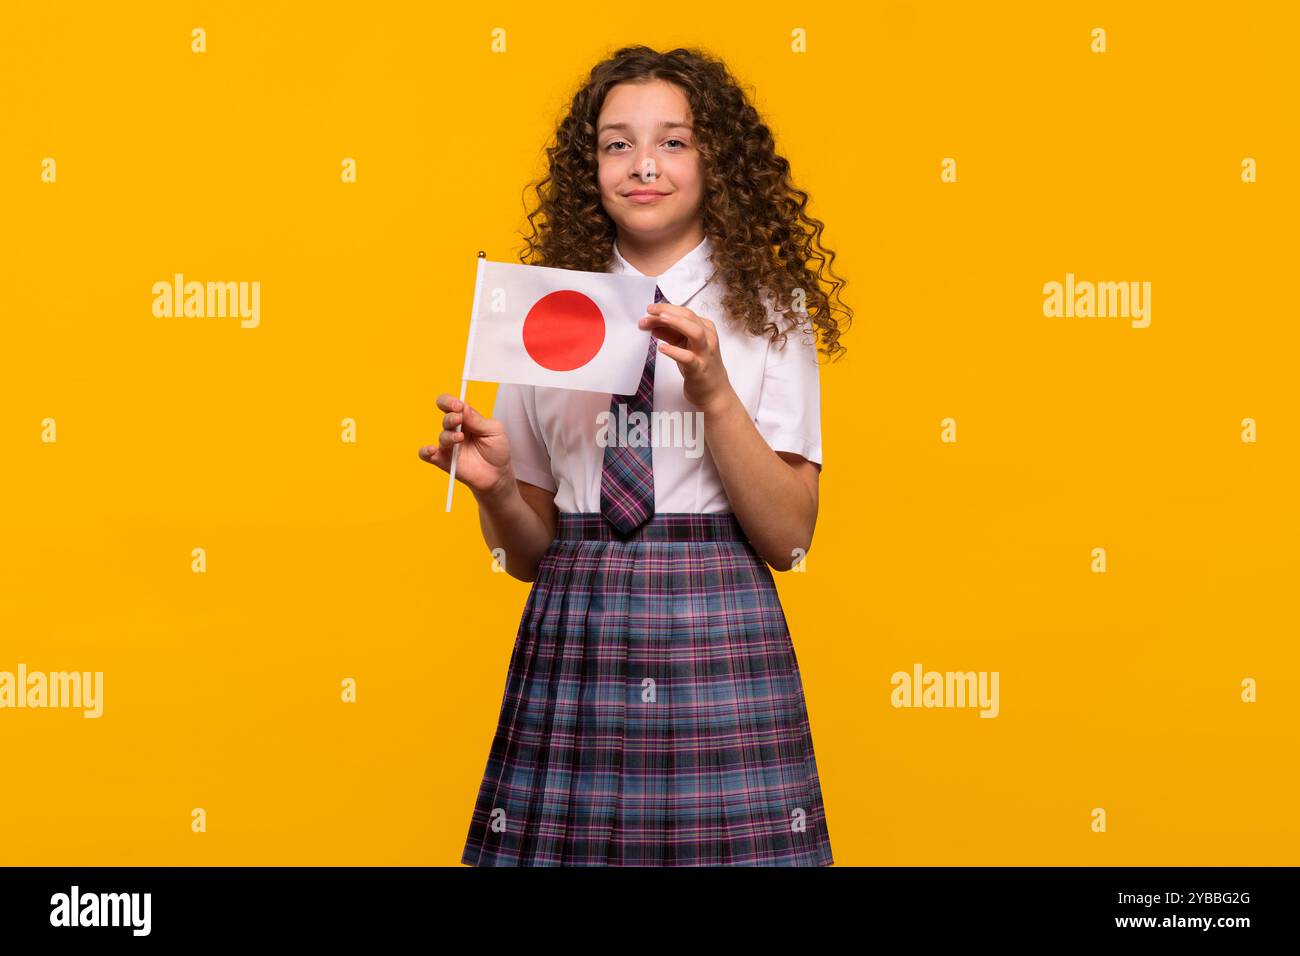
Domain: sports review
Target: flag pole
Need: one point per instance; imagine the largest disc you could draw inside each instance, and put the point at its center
(464, 378)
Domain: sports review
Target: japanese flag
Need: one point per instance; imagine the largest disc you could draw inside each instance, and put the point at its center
(534, 325)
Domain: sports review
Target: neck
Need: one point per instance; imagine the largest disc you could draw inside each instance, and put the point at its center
(654, 257)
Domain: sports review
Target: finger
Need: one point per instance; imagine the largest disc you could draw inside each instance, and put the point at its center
(436, 456)
(447, 439)
(684, 358)
(474, 421)
(665, 334)
(671, 336)
(449, 403)
(667, 308)
(451, 420)
(687, 326)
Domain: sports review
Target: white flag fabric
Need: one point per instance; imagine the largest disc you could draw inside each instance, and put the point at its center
(534, 325)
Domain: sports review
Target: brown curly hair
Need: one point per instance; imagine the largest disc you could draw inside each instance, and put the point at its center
(755, 218)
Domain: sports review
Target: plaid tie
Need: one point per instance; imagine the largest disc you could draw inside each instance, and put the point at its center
(627, 481)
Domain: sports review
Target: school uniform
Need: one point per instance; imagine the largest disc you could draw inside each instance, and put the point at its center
(653, 712)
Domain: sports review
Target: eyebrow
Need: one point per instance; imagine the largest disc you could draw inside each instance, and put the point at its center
(666, 124)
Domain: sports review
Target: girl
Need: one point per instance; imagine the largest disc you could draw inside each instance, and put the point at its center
(653, 711)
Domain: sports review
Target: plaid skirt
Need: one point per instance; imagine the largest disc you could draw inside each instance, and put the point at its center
(653, 711)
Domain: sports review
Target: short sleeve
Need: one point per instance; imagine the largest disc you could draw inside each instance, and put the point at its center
(516, 409)
(789, 402)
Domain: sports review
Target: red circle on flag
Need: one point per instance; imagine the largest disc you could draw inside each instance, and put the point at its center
(563, 330)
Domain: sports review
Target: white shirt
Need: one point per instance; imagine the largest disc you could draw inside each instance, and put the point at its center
(555, 433)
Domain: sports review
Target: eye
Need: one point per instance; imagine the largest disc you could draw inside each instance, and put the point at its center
(609, 146)
(677, 141)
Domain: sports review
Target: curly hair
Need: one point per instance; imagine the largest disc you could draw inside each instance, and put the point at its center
(756, 219)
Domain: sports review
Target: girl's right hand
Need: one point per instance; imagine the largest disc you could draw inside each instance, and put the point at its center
(483, 463)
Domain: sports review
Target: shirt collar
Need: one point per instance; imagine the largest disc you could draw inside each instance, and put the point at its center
(685, 277)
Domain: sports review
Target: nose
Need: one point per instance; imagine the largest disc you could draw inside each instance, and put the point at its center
(644, 169)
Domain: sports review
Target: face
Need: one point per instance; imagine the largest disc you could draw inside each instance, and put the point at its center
(649, 169)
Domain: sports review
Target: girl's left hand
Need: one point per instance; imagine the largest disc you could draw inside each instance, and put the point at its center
(692, 342)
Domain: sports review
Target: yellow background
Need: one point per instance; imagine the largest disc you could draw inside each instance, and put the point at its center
(329, 560)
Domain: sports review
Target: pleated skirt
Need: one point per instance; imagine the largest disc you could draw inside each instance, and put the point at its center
(653, 712)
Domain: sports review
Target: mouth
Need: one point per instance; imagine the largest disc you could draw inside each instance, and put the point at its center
(644, 196)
